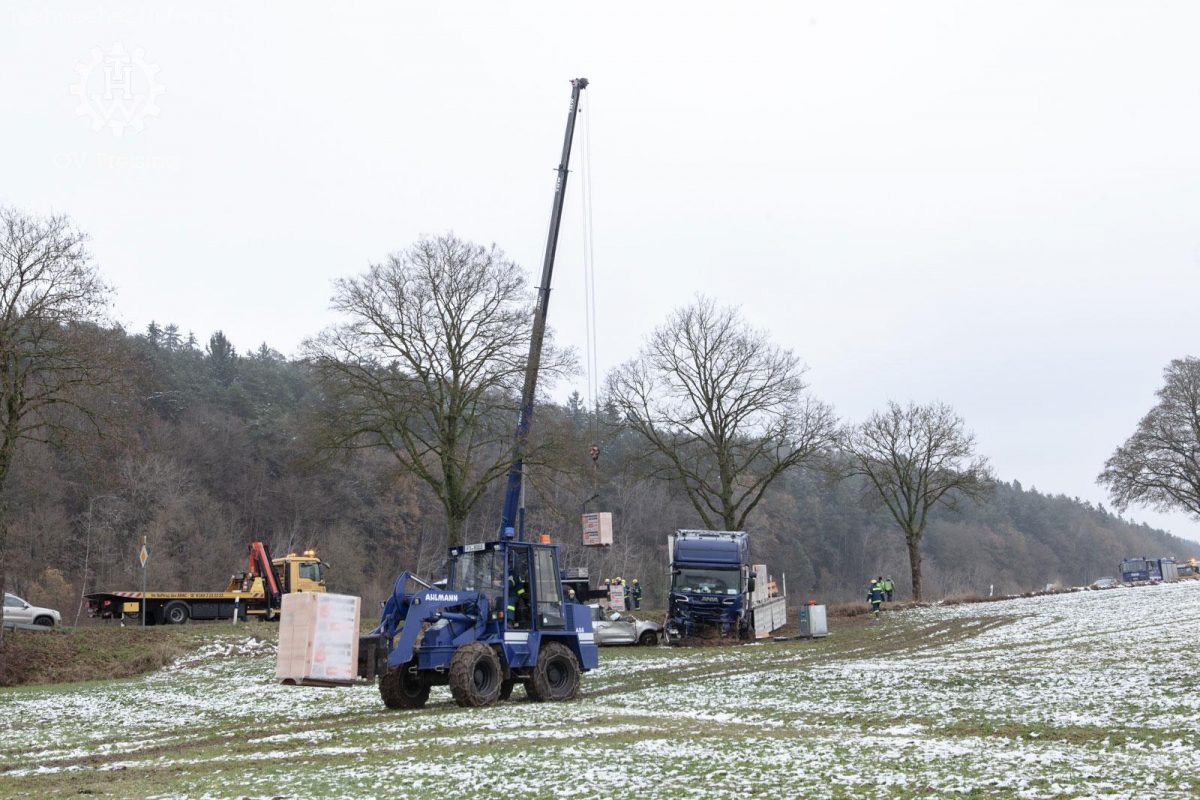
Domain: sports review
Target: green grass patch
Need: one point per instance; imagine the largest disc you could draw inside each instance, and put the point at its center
(70, 655)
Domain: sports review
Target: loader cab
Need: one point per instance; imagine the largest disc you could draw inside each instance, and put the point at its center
(519, 579)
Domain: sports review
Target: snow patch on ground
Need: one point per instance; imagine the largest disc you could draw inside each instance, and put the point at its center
(1083, 695)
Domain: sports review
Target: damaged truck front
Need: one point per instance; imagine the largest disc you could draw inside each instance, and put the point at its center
(711, 585)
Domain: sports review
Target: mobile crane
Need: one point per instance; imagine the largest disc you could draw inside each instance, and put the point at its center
(501, 618)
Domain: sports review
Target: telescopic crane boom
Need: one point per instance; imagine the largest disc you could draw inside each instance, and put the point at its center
(513, 515)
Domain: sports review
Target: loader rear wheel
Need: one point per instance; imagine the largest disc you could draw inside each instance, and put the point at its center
(506, 688)
(475, 675)
(176, 613)
(556, 675)
(400, 688)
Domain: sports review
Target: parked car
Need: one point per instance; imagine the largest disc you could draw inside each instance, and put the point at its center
(615, 628)
(18, 612)
(1106, 583)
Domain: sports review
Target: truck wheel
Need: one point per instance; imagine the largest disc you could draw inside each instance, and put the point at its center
(475, 675)
(400, 688)
(176, 613)
(506, 689)
(44, 621)
(746, 628)
(556, 675)
(648, 639)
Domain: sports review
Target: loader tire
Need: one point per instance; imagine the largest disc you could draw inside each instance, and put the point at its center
(506, 689)
(555, 676)
(400, 688)
(475, 675)
(176, 613)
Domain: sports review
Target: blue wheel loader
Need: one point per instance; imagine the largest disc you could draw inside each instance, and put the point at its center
(499, 621)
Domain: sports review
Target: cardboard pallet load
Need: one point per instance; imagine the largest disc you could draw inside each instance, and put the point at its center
(318, 639)
(597, 529)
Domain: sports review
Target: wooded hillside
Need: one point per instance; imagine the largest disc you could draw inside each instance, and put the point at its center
(218, 449)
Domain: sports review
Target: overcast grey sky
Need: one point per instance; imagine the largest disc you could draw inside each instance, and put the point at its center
(993, 205)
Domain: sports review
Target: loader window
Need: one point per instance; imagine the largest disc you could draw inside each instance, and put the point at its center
(548, 591)
(480, 571)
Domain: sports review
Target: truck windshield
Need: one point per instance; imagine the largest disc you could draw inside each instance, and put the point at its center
(481, 571)
(707, 581)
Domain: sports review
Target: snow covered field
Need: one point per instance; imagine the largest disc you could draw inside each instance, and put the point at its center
(1093, 694)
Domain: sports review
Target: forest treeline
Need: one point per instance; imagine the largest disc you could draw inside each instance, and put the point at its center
(214, 448)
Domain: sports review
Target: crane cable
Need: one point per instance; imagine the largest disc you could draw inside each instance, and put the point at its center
(591, 365)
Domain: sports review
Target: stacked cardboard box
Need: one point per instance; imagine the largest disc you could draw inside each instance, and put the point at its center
(597, 529)
(318, 639)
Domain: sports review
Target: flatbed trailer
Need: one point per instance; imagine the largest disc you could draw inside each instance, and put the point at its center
(175, 608)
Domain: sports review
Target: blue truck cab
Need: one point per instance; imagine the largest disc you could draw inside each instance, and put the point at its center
(711, 583)
(1134, 570)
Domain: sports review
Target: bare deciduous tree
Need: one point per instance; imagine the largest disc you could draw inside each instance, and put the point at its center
(1159, 465)
(916, 457)
(52, 357)
(723, 410)
(429, 365)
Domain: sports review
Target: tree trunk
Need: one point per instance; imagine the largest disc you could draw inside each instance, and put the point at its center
(4, 461)
(3, 644)
(456, 528)
(914, 561)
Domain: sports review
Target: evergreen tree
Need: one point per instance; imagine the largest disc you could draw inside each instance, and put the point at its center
(222, 359)
(170, 337)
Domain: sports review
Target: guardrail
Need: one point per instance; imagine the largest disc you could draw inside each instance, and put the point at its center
(26, 626)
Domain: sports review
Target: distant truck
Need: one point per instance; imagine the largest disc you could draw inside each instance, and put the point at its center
(258, 592)
(1137, 570)
(711, 585)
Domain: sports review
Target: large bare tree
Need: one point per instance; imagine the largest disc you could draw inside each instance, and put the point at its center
(1159, 465)
(916, 457)
(53, 359)
(722, 409)
(429, 365)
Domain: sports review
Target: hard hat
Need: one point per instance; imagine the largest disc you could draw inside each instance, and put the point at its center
(635, 580)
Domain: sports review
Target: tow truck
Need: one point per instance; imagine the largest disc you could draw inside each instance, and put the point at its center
(256, 592)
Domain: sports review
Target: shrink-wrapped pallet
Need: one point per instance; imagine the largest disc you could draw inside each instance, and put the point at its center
(597, 529)
(318, 639)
